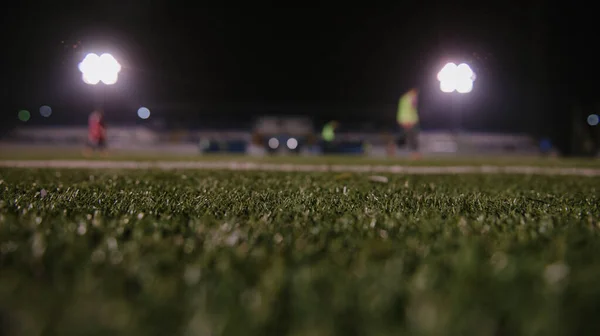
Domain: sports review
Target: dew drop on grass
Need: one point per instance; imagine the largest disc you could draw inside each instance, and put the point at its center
(98, 256)
(556, 272)
(499, 261)
(38, 247)
(112, 243)
(191, 275)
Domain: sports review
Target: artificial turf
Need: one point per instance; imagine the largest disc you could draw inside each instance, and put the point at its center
(86, 252)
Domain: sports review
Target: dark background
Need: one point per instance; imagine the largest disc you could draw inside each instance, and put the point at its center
(198, 66)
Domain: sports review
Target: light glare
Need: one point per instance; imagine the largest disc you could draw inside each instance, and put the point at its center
(447, 72)
(95, 69)
(464, 71)
(458, 78)
(447, 86)
(464, 86)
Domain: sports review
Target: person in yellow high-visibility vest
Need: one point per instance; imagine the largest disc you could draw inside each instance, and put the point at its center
(328, 136)
(408, 119)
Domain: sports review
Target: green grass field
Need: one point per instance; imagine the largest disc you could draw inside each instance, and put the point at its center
(38, 153)
(86, 252)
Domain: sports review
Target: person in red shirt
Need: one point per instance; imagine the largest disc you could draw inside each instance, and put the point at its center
(96, 131)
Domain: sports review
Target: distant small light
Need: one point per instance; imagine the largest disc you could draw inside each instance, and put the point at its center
(273, 143)
(593, 119)
(45, 111)
(143, 113)
(292, 143)
(24, 115)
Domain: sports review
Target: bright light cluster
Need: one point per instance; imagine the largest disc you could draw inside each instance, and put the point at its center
(103, 68)
(458, 78)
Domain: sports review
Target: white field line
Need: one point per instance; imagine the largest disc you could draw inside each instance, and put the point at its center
(251, 166)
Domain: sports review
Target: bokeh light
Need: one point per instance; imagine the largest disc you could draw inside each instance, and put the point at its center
(457, 78)
(143, 113)
(447, 72)
(273, 143)
(593, 119)
(45, 111)
(24, 115)
(464, 86)
(103, 68)
(292, 143)
(465, 71)
(447, 86)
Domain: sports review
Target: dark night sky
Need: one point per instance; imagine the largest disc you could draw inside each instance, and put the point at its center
(190, 63)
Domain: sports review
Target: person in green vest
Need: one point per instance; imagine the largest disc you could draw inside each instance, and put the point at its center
(328, 135)
(408, 119)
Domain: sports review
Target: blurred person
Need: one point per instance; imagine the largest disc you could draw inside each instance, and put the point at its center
(546, 146)
(367, 147)
(328, 135)
(408, 119)
(256, 146)
(96, 133)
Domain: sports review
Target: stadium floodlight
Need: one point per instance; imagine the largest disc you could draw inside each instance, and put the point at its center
(96, 69)
(457, 78)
